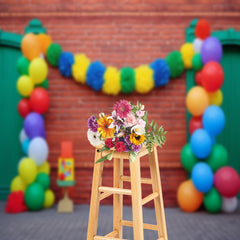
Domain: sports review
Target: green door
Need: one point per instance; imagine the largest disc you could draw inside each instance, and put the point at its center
(10, 120)
(231, 104)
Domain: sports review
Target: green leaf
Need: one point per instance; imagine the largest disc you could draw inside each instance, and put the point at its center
(104, 148)
(106, 157)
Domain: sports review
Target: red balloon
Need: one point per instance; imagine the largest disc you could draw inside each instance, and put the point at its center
(195, 123)
(202, 29)
(39, 100)
(212, 76)
(24, 107)
(198, 78)
(226, 180)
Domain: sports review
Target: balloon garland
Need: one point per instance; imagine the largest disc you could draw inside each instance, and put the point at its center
(30, 189)
(212, 182)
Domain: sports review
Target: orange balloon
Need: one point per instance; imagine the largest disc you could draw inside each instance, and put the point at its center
(30, 46)
(188, 197)
(45, 41)
(197, 101)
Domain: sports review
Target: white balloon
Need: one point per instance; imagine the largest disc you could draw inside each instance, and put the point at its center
(38, 150)
(229, 205)
(22, 136)
(197, 44)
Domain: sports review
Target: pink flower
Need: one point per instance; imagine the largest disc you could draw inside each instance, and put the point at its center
(140, 113)
(122, 108)
(131, 120)
(141, 122)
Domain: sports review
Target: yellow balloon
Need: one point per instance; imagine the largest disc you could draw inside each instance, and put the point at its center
(197, 101)
(49, 199)
(28, 170)
(187, 52)
(18, 184)
(216, 98)
(44, 168)
(38, 70)
(25, 86)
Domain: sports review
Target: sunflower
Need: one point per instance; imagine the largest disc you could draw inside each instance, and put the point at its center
(103, 127)
(137, 139)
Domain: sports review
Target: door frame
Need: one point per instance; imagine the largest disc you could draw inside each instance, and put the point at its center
(226, 37)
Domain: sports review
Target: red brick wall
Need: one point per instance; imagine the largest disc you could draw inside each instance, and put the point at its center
(126, 33)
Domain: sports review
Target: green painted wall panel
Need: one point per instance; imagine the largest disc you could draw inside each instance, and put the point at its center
(10, 121)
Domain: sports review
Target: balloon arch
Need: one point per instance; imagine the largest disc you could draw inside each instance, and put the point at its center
(212, 182)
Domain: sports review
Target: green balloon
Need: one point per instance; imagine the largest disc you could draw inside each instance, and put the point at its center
(188, 159)
(34, 196)
(44, 84)
(197, 63)
(44, 180)
(218, 157)
(127, 80)
(53, 54)
(23, 65)
(175, 63)
(212, 201)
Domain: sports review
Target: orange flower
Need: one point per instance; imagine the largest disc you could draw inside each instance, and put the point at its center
(104, 129)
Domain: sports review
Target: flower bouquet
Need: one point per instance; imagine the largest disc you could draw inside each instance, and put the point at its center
(126, 130)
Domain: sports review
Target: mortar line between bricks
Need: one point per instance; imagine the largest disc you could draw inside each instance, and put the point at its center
(119, 14)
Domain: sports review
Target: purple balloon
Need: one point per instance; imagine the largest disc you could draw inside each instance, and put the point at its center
(211, 50)
(34, 125)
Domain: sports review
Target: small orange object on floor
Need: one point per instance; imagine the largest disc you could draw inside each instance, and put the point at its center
(100, 192)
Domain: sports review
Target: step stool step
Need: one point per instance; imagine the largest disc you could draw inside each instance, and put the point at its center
(145, 225)
(143, 180)
(115, 190)
(149, 198)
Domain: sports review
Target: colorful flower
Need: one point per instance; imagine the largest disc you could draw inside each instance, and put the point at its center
(127, 140)
(141, 122)
(131, 120)
(122, 108)
(138, 129)
(94, 138)
(104, 122)
(92, 123)
(137, 139)
(140, 113)
(120, 147)
(109, 143)
(136, 148)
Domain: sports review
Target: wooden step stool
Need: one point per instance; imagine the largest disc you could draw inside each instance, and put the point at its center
(100, 192)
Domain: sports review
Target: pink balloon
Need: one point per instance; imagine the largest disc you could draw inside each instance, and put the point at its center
(226, 180)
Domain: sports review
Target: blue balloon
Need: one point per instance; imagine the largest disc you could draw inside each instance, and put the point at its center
(202, 177)
(201, 143)
(213, 120)
(25, 146)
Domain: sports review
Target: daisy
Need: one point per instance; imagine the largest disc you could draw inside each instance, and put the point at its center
(122, 108)
(103, 127)
(94, 138)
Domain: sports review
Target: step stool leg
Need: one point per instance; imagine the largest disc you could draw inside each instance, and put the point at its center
(158, 202)
(136, 199)
(117, 198)
(94, 205)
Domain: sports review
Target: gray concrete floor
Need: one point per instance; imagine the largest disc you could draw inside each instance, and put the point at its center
(50, 225)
